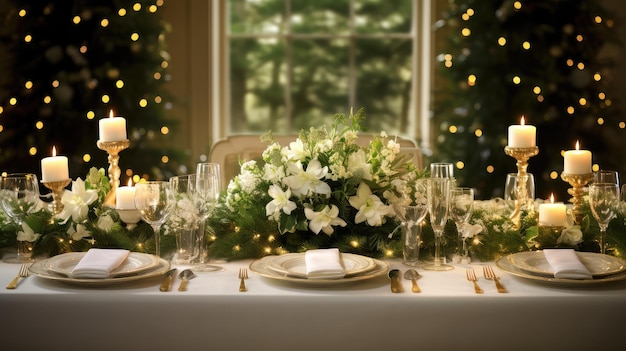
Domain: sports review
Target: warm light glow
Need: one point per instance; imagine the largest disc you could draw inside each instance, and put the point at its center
(598, 19)
(134, 37)
(517, 80)
(600, 121)
(28, 38)
(522, 121)
(595, 167)
(111, 114)
(86, 158)
(91, 115)
(122, 12)
(597, 77)
(577, 145)
(165, 130)
(582, 101)
(76, 19)
(551, 198)
(466, 32)
(83, 49)
(143, 103)
(165, 159)
(471, 80)
(517, 5)
(22, 13)
(490, 169)
(537, 90)
(152, 8)
(452, 129)
(119, 84)
(502, 41)
(554, 175)
(579, 38)
(460, 165)
(130, 182)
(32, 151)
(105, 99)
(39, 125)
(526, 45)
(570, 110)
(137, 6)
(28, 85)
(104, 23)
(55, 83)
(478, 133)
(47, 99)
(12, 101)
(54, 151)
(580, 66)
(622, 125)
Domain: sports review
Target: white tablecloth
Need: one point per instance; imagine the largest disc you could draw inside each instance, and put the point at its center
(214, 315)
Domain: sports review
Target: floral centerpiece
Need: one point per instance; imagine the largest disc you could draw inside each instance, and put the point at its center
(321, 190)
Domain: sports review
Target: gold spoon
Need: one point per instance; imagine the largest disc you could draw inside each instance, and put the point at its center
(184, 276)
(412, 275)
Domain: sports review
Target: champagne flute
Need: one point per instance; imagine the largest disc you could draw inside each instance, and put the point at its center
(411, 216)
(19, 197)
(438, 205)
(461, 206)
(603, 200)
(207, 194)
(154, 201)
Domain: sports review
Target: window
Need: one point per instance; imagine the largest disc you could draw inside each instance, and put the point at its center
(284, 65)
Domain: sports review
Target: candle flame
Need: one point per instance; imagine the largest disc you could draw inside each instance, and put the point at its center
(54, 151)
(110, 113)
(521, 122)
(577, 145)
(551, 198)
(130, 182)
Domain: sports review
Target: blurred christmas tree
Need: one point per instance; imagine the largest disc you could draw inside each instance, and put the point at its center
(540, 59)
(66, 64)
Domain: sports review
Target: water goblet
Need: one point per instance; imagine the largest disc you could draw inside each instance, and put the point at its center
(438, 206)
(184, 218)
(19, 197)
(603, 200)
(154, 201)
(511, 190)
(442, 170)
(461, 206)
(411, 215)
(208, 188)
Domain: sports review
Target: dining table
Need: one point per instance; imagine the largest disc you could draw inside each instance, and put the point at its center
(278, 314)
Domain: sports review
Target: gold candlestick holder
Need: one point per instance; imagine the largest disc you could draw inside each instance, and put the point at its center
(521, 154)
(113, 148)
(57, 193)
(578, 182)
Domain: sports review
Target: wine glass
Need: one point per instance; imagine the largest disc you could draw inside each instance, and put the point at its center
(207, 194)
(603, 200)
(461, 206)
(19, 198)
(441, 170)
(184, 218)
(606, 177)
(154, 201)
(438, 205)
(512, 190)
(411, 215)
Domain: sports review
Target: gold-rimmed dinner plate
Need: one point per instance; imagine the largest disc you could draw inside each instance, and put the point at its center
(505, 264)
(135, 263)
(262, 268)
(294, 265)
(38, 269)
(599, 265)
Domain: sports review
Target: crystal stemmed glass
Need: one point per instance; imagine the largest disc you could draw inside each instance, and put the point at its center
(603, 200)
(461, 206)
(184, 218)
(438, 205)
(154, 201)
(511, 190)
(442, 170)
(19, 197)
(411, 216)
(606, 177)
(207, 194)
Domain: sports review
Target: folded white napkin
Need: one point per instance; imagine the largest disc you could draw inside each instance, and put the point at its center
(99, 263)
(566, 264)
(324, 264)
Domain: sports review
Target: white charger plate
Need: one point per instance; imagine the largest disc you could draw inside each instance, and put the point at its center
(136, 262)
(294, 265)
(38, 269)
(262, 268)
(599, 265)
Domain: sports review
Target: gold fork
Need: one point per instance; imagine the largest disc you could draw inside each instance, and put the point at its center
(23, 273)
(471, 276)
(243, 274)
(491, 275)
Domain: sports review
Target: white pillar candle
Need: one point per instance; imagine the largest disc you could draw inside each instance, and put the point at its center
(125, 197)
(577, 161)
(112, 128)
(522, 135)
(552, 214)
(55, 168)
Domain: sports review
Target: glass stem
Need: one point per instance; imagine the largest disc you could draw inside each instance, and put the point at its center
(157, 240)
(602, 240)
(438, 241)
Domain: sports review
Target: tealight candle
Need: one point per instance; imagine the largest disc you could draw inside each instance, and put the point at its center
(577, 161)
(522, 135)
(112, 128)
(552, 214)
(125, 197)
(55, 168)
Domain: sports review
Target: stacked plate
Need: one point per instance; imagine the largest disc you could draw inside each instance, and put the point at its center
(137, 266)
(533, 265)
(292, 268)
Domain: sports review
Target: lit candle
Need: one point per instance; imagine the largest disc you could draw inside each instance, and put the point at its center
(125, 197)
(112, 128)
(552, 214)
(577, 161)
(55, 168)
(522, 135)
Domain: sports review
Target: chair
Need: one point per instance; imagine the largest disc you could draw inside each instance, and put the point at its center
(230, 151)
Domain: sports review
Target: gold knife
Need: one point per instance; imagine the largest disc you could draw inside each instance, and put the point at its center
(166, 285)
(396, 282)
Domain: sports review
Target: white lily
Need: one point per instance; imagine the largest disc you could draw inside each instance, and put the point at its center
(280, 201)
(371, 208)
(27, 234)
(79, 232)
(305, 182)
(296, 151)
(105, 223)
(324, 220)
(76, 202)
(357, 165)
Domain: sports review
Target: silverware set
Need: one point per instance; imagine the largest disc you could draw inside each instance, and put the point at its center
(411, 274)
(489, 274)
(243, 275)
(23, 273)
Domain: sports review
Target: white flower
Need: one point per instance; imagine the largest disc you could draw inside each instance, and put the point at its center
(357, 165)
(371, 208)
(76, 202)
(324, 219)
(105, 223)
(79, 232)
(27, 234)
(470, 230)
(296, 151)
(273, 173)
(570, 236)
(306, 182)
(280, 201)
